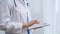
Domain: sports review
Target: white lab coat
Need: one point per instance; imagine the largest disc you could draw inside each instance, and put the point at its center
(12, 17)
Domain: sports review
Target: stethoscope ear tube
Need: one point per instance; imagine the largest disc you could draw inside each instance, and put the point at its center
(15, 3)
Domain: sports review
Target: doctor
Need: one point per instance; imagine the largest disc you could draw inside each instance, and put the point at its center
(15, 17)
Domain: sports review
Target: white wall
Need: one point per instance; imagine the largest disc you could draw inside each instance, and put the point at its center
(48, 11)
(52, 16)
(58, 18)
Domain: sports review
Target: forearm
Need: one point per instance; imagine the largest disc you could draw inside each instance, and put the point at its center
(26, 25)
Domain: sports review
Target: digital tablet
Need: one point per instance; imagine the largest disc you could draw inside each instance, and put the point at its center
(39, 27)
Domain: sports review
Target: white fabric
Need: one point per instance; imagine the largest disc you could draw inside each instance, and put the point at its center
(12, 23)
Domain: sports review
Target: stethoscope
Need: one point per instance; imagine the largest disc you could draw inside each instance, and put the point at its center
(23, 1)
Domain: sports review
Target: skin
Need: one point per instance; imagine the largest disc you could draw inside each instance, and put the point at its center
(26, 25)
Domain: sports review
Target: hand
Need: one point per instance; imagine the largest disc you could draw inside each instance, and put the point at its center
(35, 21)
(26, 25)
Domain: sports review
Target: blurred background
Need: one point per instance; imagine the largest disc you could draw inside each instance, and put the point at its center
(47, 11)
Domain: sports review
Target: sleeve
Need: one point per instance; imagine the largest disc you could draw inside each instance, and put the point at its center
(5, 23)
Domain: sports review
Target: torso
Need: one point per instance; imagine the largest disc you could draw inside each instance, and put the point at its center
(19, 14)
